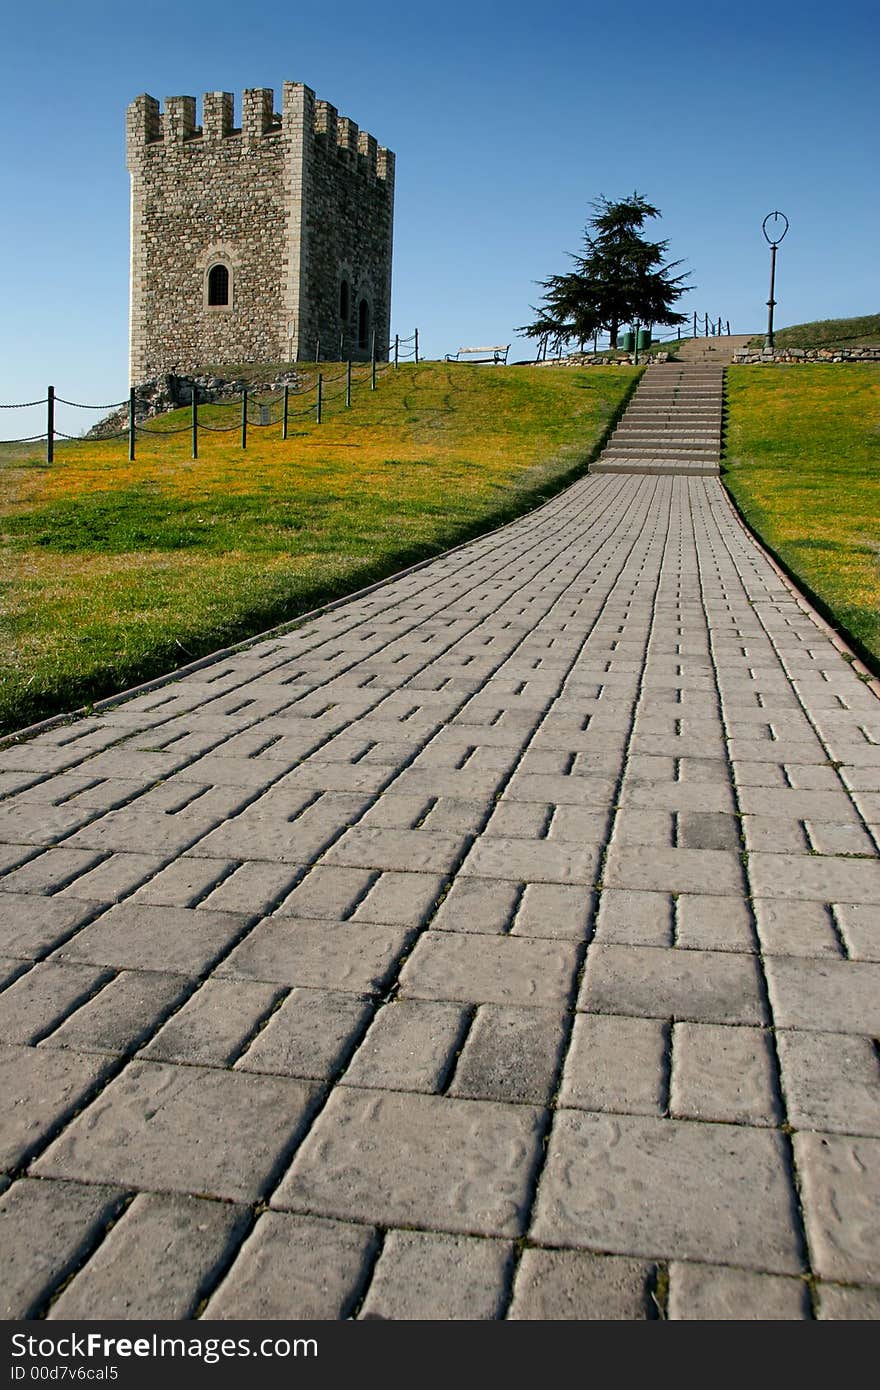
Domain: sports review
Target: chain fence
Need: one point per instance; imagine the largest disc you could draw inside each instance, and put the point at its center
(696, 326)
(253, 410)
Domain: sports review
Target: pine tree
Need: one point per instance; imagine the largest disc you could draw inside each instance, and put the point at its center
(620, 277)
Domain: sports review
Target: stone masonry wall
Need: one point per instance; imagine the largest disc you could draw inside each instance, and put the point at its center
(289, 204)
(347, 235)
(796, 356)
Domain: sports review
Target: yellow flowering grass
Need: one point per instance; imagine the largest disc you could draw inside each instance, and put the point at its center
(803, 464)
(116, 571)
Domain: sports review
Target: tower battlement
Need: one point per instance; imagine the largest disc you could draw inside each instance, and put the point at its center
(148, 125)
(255, 241)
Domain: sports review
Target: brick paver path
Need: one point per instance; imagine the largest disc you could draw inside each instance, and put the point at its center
(535, 894)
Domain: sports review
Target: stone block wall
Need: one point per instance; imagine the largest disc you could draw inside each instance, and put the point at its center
(290, 204)
(796, 356)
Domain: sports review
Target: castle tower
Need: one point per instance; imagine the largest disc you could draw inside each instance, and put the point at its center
(255, 244)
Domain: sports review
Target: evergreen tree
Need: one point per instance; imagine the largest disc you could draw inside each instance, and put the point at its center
(620, 277)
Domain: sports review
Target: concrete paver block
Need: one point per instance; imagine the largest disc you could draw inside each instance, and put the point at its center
(122, 1014)
(628, 918)
(481, 905)
(673, 870)
(213, 1026)
(310, 1035)
(668, 1189)
(820, 878)
(31, 926)
(424, 1275)
(400, 899)
(382, 1157)
(319, 955)
(832, 1082)
(183, 1129)
(39, 999)
(510, 1055)
(41, 1089)
(713, 1293)
(787, 928)
(293, 1268)
(825, 996)
(848, 1304)
(840, 1186)
(617, 1064)
(134, 937)
(45, 1228)
(183, 1240)
(702, 986)
(859, 926)
(489, 969)
(537, 861)
(704, 922)
(575, 1286)
(723, 1074)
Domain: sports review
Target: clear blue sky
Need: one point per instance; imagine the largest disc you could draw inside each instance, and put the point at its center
(507, 119)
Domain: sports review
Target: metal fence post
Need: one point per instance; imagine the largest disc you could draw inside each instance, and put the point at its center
(373, 361)
(244, 396)
(131, 425)
(318, 348)
(284, 414)
(50, 425)
(396, 349)
(695, 323)
(417, 347)
(320, 398)
(195, 424)
(348, 385)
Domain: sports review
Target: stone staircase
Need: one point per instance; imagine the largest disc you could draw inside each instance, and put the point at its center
(672, 424)
(713, 352)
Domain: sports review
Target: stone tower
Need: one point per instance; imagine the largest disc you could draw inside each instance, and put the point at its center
(257, 244)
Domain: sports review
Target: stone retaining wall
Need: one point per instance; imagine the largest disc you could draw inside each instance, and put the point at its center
(796, 356)
(170, 392)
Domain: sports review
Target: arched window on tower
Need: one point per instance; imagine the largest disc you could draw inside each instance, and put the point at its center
(344, 301)
(218, 285)
(363, 324)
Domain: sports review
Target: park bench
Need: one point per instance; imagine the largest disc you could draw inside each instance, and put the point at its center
(475, 355)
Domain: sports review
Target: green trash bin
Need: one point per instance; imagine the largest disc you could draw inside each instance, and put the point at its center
(627, 341)
(644, 339)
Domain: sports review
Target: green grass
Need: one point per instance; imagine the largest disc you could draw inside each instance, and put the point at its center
(802, 456)
(114, 572)
(828, 333)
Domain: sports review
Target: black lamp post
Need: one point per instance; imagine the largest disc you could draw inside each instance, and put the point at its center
(778, 227)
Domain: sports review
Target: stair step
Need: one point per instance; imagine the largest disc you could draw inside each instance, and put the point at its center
(672, 425)
(658, 469)
(663, 455)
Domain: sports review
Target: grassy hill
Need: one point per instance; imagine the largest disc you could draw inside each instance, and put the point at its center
(828, 333)
(802, 465)
(115, 571)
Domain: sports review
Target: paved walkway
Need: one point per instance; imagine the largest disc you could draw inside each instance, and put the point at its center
(532, 895)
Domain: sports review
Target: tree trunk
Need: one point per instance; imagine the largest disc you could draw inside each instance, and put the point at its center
(612, 334)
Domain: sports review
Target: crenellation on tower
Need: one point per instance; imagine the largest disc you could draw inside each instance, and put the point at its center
(143, 123)
(265, 243)
(180, 119)
(367, 149)
(347, 136)
(257, 107)
(385, 162)
(326, 121)
(218, 115)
